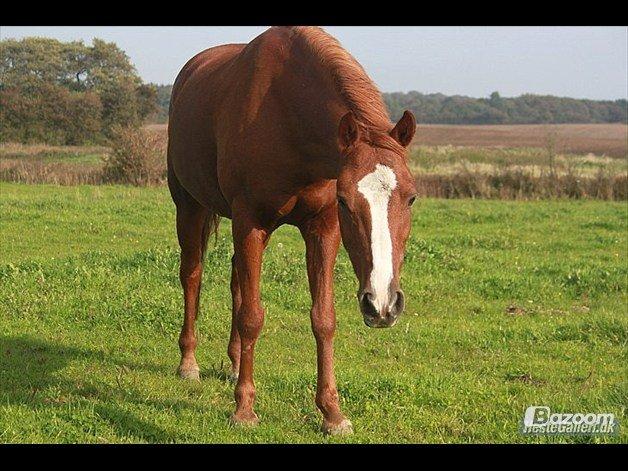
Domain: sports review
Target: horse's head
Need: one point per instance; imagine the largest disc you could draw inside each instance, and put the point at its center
(375, 193)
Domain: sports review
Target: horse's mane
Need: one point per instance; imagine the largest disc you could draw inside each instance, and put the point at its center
(352, 83)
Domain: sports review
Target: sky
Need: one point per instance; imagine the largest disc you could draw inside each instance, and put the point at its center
(579, 62)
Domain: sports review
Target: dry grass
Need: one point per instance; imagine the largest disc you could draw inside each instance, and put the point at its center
(450, 159)
(521, 162)
(519, 184)
(157, 127)
(24, 171)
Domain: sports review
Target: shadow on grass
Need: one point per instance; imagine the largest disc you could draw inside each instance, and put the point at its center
(218, 372)
(31, 375)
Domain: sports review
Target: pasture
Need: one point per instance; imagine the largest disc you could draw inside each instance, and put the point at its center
(510, 304)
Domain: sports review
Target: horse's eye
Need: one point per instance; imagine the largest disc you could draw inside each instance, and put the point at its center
(411, 200)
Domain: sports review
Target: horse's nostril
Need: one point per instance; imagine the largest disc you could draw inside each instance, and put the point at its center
(366, 304)
(394, 298)
(400, 302)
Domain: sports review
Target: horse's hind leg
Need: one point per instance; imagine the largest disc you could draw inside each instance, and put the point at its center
(192, 232)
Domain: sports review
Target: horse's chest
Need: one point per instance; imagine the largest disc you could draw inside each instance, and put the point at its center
(309, 202)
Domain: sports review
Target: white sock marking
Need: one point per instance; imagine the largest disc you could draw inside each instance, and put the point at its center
(377, 187)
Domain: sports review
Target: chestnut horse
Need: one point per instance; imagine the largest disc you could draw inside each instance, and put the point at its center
(288, 129)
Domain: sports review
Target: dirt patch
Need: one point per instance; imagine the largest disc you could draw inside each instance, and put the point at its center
(515, 310)
(525, 378)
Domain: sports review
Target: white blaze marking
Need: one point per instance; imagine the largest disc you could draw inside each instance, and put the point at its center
(377, 187)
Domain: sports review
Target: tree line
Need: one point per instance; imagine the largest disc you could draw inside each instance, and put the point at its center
(71, 93)
(437, 108)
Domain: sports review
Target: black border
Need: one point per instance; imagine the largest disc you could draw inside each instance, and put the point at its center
(396, 13)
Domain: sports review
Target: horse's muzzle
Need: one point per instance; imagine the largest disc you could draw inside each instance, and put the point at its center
(388, 316)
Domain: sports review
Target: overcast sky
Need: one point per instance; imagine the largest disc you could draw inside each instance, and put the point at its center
(580, 62)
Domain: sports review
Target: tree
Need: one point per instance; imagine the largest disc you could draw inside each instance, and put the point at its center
(495, 100)
(69, 92)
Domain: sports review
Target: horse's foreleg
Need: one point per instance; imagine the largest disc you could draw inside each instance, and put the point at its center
(192, 239)
(322, 238)
(249, 241)
(233, 350)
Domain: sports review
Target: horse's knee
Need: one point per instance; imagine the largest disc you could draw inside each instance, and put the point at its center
(190, 269)
(323, 324)
(250, 322)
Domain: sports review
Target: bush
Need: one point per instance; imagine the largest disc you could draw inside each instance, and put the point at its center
(137, 157)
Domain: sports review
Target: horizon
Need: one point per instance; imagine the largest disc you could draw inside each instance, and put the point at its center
(571, 62)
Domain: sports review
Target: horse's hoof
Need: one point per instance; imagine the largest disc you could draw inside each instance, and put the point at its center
(244, 420)
(345, 427)
(189, 373)
(233, 377)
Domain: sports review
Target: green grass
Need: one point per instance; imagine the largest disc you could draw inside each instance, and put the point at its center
(510, 304)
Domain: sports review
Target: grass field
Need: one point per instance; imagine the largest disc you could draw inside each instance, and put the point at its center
(510, 304)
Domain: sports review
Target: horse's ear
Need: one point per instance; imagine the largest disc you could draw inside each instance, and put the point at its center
(348, 130)
(403, 132)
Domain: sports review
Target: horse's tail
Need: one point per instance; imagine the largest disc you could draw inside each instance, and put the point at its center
(212, 222)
